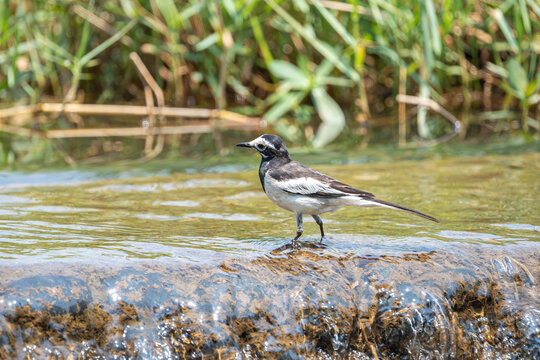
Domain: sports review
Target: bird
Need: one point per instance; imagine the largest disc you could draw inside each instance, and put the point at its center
(304, 191)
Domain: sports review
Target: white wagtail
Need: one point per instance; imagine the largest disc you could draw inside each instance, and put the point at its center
(302, 190)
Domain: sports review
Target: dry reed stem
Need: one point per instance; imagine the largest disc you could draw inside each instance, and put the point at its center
(100, 23)
(151, 119)
(148, 80)
(227, 120)
(147, 77)
(150, 85)
(133, 131)
(126, 110)
(18, 111)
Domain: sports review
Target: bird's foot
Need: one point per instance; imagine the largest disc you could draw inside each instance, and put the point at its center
(295, 241)
(323, 239)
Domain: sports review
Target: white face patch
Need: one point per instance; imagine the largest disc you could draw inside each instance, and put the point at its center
(260, 141)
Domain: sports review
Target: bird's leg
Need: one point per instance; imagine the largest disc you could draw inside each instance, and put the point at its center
(319, 222)
(299, 226)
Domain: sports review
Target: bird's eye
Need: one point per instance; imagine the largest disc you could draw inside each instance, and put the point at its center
(260, 147)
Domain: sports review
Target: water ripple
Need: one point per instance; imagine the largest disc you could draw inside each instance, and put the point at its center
(519, 226)
(170, 186)
(182, 203)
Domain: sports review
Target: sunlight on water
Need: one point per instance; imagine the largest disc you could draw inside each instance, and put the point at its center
(10, 199)
(187, 203)
(201, 264)
(475, 207)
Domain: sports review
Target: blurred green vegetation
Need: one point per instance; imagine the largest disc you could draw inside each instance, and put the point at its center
(314, 69)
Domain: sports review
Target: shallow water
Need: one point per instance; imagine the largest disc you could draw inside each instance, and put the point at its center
(190, 265)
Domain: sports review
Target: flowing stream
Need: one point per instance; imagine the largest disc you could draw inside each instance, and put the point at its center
(174, 265)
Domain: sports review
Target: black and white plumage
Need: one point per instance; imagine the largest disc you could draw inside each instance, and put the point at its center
(304, 191)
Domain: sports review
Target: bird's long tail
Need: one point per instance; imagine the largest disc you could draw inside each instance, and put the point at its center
(402, 208)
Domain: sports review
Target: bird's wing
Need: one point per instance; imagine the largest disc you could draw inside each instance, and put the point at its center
(296, 178)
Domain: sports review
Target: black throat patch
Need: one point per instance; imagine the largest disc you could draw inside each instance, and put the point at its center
(270, 163)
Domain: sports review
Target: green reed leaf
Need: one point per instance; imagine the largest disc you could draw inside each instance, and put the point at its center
(506, 29)
(285, 104)
(285, 70)
(104, 45)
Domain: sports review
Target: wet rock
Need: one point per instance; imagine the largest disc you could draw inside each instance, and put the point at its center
(55, 292)
(292, 303)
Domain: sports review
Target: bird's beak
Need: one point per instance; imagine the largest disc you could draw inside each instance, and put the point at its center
(245, 144)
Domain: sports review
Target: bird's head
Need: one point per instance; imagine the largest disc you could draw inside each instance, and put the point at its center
(268, 146)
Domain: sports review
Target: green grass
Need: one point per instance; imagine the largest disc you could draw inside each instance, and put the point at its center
(311, 71)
